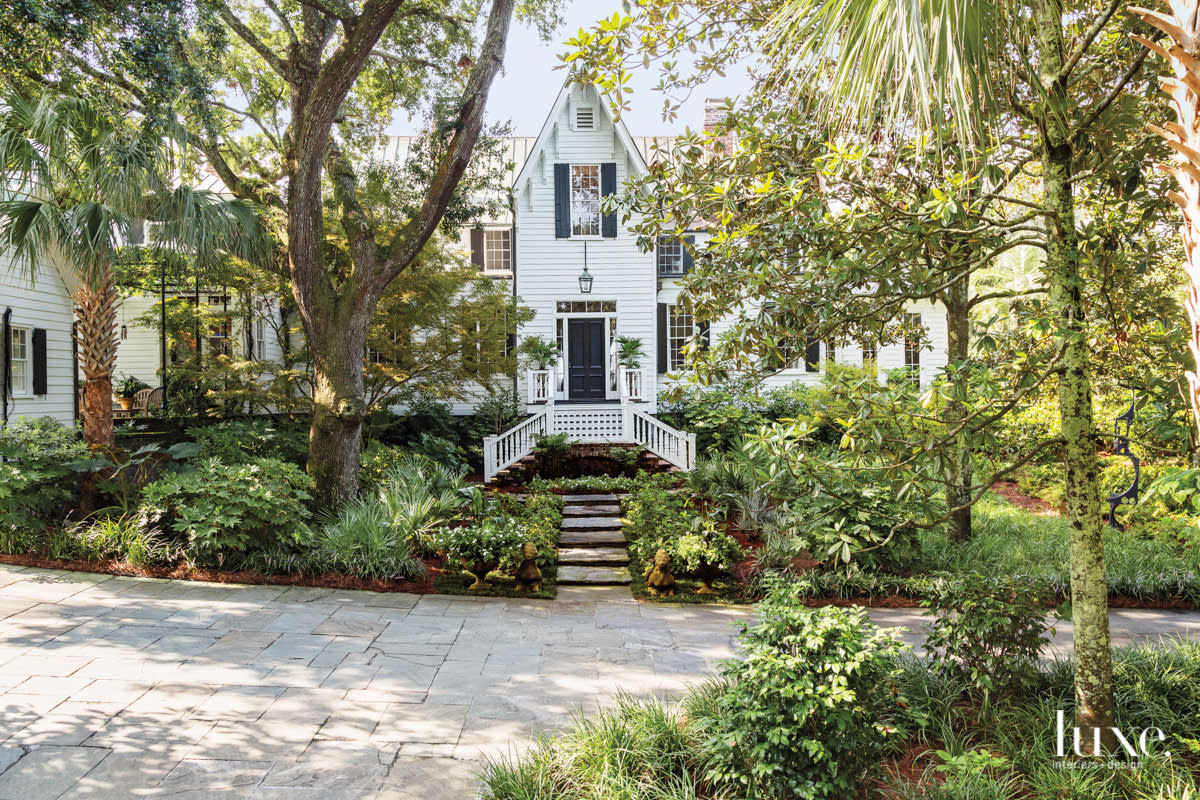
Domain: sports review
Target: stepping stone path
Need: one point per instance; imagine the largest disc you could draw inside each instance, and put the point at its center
(591, 549)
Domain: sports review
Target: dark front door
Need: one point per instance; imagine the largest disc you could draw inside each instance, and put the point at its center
(585, 359)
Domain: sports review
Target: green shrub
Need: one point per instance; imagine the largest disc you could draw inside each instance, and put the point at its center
(378, 459)
(804, 713)
(540, 517)
(242, 441)
(655, 518)
(856, 515)
(989, 631)
(363, 540)
(720, 417)
(490, 538)
(440, 450)
(603, 483)
(39, 463)
(223, 510)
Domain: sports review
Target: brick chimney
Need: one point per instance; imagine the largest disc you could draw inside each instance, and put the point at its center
(715, 113)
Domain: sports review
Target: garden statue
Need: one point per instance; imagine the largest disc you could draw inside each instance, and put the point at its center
(528, 575)
(659, 580)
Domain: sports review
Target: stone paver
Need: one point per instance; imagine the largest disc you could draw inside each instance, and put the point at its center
(591, 523)
(221, 691)
(588, 538)
(593, 556)
(568, 575)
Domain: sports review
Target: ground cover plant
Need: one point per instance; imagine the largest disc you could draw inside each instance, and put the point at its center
(824, 705)
(228, 505)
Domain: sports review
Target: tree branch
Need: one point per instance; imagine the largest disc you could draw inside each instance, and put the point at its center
(280, 65)
(413, 236)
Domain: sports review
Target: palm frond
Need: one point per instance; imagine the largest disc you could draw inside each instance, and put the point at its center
(909, 64)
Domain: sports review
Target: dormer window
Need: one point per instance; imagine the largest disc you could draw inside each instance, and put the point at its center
(585, 119)
(585, 200)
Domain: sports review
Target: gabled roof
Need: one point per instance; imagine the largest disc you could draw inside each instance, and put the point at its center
(636, 156)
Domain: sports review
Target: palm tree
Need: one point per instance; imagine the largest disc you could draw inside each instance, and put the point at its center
(953, 59)
(1182, 25)
(78, 181)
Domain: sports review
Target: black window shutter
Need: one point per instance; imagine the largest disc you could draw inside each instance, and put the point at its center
(705, 334)
(812, 356)
(688, 241)
(562, 201)
(662, 337)
(477, 247)
(608, 186)
(39, 361)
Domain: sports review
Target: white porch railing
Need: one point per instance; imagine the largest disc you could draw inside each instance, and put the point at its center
(506, 449)
(659, 438)
(631, 382)
(589, 423)
(540, 385)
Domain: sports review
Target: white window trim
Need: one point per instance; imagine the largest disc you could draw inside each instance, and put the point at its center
(487, 261)
(26, 389)
(672, 314)
(673, 242)
(599, 197)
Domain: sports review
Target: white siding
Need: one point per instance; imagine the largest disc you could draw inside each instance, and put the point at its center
(44, 303)
(547, 269)
(140, 354)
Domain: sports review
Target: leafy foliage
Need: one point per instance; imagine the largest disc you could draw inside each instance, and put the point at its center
(240, 441)
(803, 714)
(36, 471)
(222, 511)
(988, 631)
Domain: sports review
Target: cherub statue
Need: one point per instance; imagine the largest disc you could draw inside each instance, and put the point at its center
(659, 580)
(528, 575)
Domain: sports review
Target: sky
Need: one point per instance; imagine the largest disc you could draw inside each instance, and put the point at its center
(526, 89)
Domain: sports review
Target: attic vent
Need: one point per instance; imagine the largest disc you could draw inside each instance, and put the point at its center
(585, 119)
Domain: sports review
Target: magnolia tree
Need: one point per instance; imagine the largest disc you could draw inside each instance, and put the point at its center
(1048, 75)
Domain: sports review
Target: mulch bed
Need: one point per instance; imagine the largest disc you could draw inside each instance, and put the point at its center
(185, 572)
(1034, 505)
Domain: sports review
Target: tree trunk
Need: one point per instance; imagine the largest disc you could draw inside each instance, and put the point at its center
(339, 400)
(1089, 594)
(96, 332)
(960, 469)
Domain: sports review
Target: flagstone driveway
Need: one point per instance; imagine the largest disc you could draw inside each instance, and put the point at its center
(126, 687)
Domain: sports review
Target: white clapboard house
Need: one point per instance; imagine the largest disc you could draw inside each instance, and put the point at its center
(37, 364)
(583, 274)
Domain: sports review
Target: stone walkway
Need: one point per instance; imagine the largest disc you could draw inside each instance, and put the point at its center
(591, 547)
(125, 687)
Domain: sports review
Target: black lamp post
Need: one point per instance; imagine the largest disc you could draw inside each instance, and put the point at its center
(585, 281)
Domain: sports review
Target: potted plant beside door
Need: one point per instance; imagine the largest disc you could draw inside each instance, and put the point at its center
(629, 357)
(542, 355)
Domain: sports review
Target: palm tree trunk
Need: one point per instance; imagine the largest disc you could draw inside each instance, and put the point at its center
(96, 332)
(1183, 27)
(1094, 706)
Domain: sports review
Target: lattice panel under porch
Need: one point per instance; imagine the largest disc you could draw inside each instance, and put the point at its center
(589, 425)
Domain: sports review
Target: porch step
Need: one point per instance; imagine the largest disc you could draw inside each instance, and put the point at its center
(594, 556)
(594, 576)
(613, 510)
